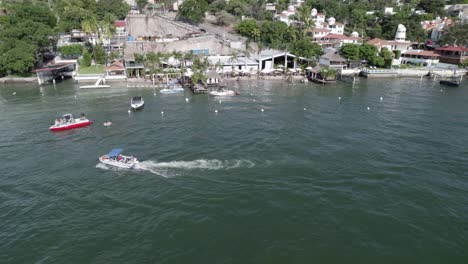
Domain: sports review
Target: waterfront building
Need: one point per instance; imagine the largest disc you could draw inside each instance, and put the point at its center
(333, 60)
(420, 57)
(116, 69)
(268, 59)
(453, 54)
(227, 64)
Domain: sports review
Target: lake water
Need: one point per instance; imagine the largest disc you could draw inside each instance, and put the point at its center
(325, 174)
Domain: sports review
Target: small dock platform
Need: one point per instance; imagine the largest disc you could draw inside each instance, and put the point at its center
(198, 89)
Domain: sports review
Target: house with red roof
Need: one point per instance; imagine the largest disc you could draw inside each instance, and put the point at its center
(453, 54)
(338, 40)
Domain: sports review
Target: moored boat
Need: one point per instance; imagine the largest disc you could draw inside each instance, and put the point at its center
(116, 159)
(67, 122)
(137, 103)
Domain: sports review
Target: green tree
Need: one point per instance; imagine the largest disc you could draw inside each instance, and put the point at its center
(435, 7)
(25, 35)
(71, 50)
(248, 28)
(141, 3)
(193, 11)
(456, 35)
(118, 8)
(305, 48)
(351, 51)
(387, 55)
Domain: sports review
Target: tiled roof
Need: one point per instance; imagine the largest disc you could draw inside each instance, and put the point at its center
(452, 48)
(425, 53)
(119, 23)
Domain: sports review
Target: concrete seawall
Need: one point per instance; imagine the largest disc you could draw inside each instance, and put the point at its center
(409, 73)
(18, 79)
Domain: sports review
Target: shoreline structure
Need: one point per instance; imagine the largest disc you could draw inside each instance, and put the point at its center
(366, 73)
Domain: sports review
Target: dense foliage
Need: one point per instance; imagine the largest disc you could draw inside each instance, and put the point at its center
(456, 35)
(369, 53)
(25, 35)
(193, 11)
(70, 50)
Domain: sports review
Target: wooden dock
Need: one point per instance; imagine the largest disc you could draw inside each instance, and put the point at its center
(198, 89)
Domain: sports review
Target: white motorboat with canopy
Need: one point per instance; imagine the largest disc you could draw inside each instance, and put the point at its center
(137, 103)
(115, 158)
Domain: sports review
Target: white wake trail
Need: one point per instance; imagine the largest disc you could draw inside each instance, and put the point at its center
(169, 169)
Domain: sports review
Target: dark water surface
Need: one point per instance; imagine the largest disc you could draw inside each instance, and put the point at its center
(312, 179)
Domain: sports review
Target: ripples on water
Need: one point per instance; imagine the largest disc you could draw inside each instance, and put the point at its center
(330, 183)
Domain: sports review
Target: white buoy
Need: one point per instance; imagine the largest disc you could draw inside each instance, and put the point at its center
(381, 98)
(216, 111)
(14, 93)
(75, 96)
(251, 94)
(305, 109)
(154, 94)
(441, 90)
(262, 110)
(162, 112)
(254, 100)
(129, 111)
(186, 99)
(368, 108)
(220, 101)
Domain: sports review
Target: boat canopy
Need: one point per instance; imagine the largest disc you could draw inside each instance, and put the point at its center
(136, 98)
(115, 152)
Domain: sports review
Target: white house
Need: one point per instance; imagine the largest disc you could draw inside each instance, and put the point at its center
(424, 57)
(229, 64)
(338, 40)
(398, 44)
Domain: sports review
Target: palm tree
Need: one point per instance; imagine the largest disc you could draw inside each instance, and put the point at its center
(304, 17)
(90, 26)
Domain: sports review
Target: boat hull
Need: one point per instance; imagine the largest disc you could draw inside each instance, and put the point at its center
(110, 162)
(172, 91)
(94, 86)
(450, 83)
(137, 106)
(71, 126)
(227, 93)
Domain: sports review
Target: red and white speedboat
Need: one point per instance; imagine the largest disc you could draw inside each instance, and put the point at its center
(68, 122)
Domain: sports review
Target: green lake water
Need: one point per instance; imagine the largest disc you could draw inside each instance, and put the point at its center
(325, 174)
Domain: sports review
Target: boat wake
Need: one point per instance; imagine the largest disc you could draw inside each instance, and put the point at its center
(174, 168)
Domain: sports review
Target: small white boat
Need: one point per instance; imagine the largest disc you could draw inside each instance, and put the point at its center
(116, 159)
(137, 103)
(99, 84)
(107, 124)
(172, 89)
(224, 93)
